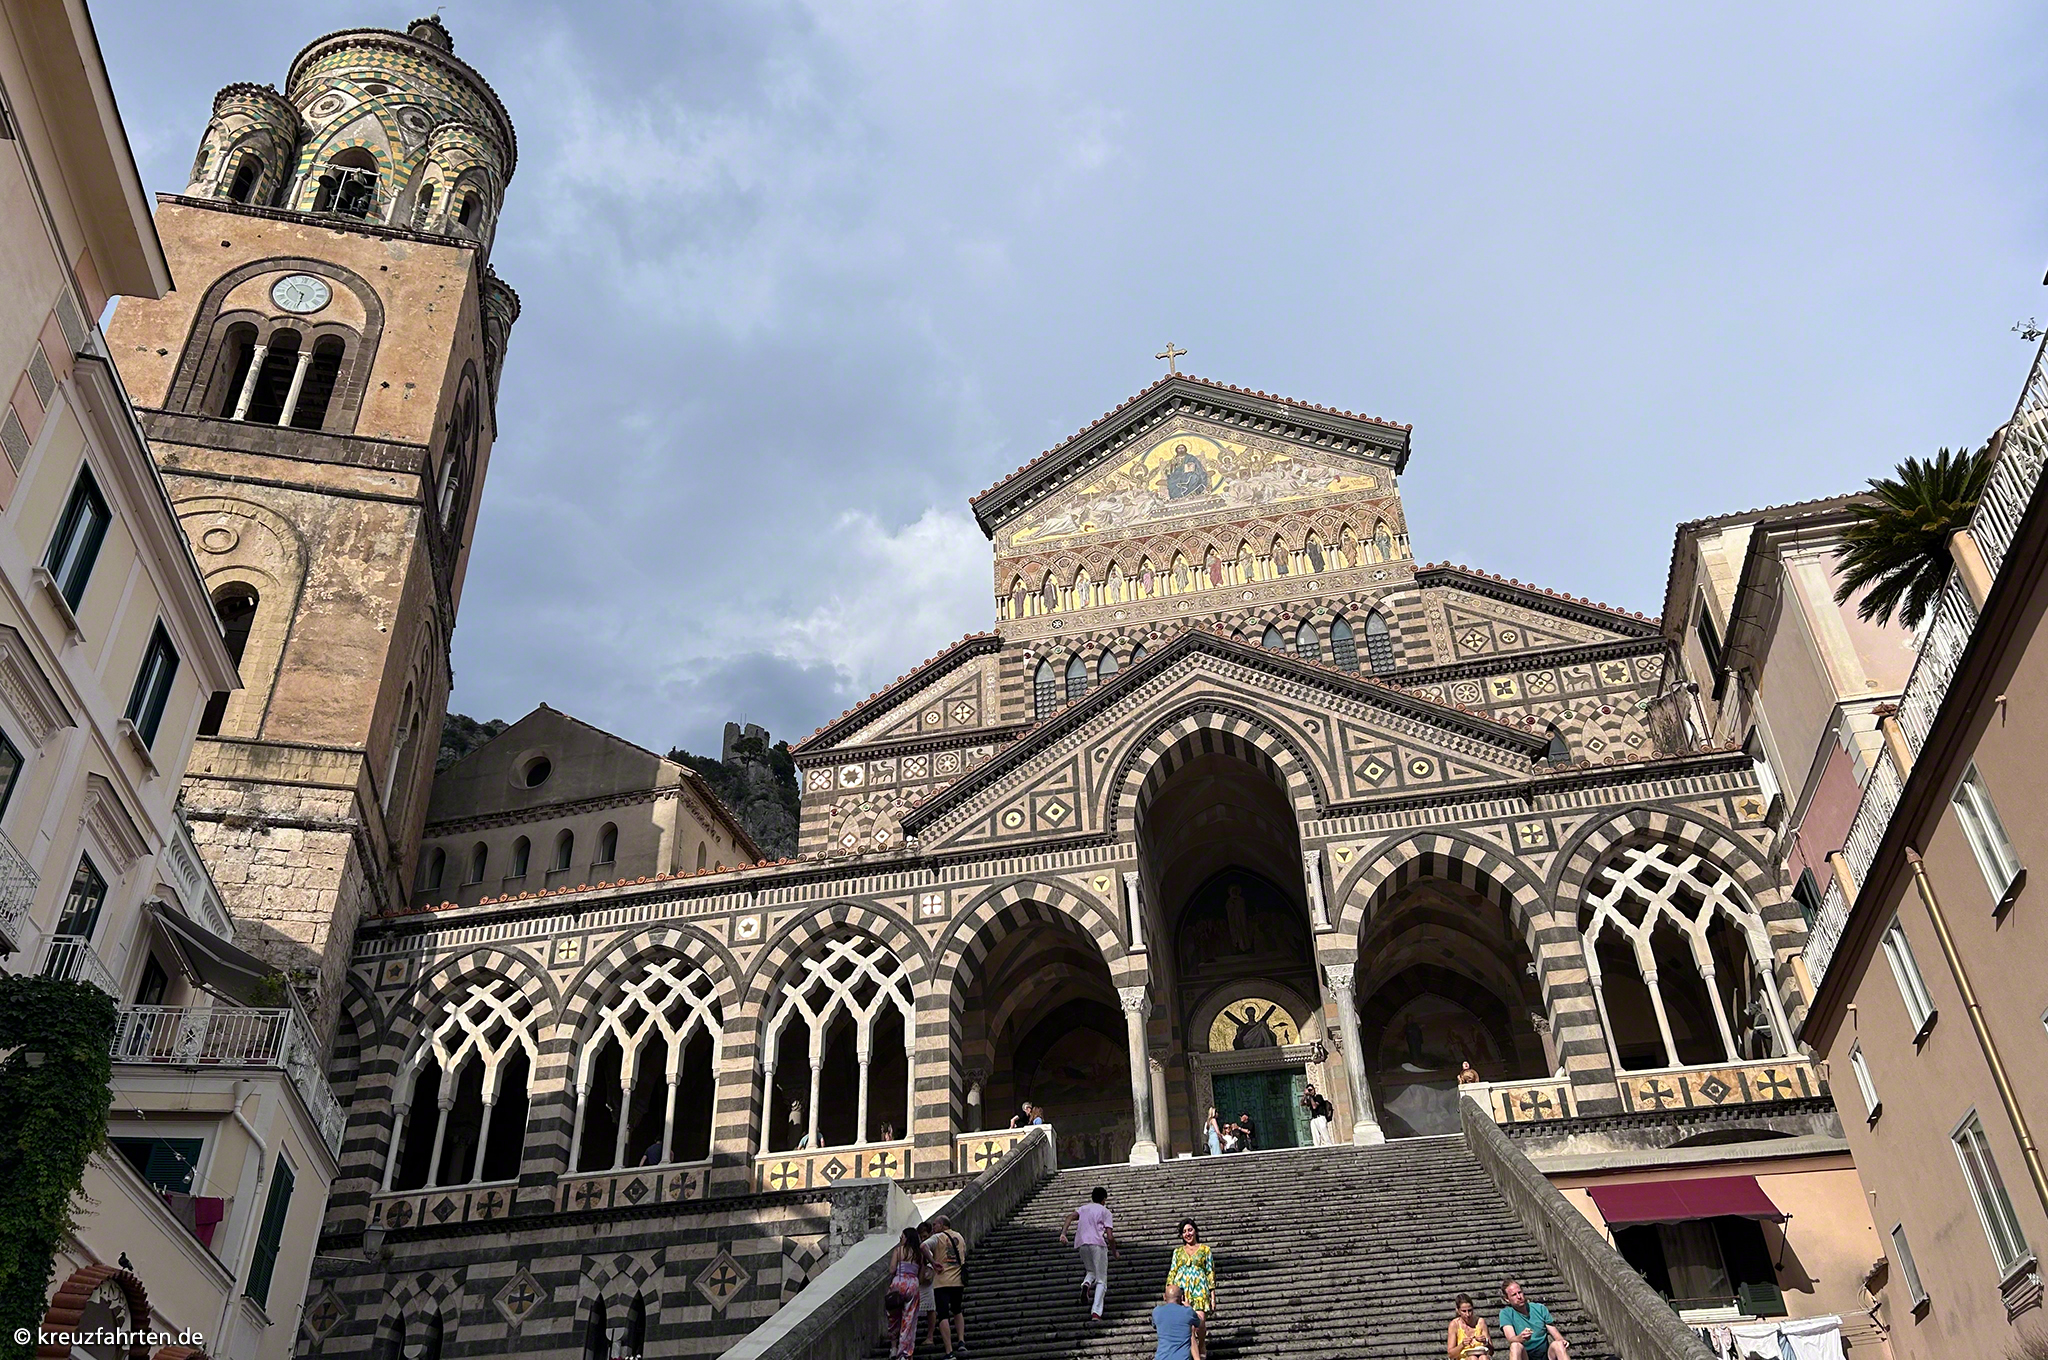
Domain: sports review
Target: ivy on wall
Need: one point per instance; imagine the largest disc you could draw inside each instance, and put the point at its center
(55, 1068)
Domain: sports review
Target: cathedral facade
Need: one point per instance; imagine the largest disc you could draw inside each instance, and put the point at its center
(1232, 799)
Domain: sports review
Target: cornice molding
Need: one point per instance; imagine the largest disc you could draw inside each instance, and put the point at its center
(28, 693)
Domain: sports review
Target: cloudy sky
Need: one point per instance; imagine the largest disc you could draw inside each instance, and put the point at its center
(800, 278)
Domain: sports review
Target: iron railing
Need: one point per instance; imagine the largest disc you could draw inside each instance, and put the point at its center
(17, 894)
(2015, 479)
(231, 1037)
(73, 958)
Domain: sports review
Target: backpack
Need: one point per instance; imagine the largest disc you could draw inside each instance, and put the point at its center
(956, 1246)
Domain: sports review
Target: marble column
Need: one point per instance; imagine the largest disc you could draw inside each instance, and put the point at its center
(1137, 1003)
(1364, 1128)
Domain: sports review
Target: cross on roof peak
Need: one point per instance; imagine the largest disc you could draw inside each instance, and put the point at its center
(1171, 355)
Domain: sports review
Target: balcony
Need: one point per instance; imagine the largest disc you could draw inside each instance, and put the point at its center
(17, 894)
(73, 958)
(198, 1038)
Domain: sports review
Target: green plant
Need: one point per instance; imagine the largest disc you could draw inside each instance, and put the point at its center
(1898, 544)
(54, 1095)
(269, 991)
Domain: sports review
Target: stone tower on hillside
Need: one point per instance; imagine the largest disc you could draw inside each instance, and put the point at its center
(320, 392)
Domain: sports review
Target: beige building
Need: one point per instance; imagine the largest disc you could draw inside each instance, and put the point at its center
(224, 1131)
(321, 395)
(552, 802)
(1927, 947)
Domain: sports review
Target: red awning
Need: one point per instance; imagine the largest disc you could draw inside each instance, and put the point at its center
(1682, 1201)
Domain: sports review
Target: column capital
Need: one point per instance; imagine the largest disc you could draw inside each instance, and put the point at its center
(1136, 1000)
(1341, 975)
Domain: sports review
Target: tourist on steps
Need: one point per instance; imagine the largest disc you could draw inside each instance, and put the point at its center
(948, 1252)
(1467, 1340)
(1178, 1326)
(1320, 1113)
(1527, 1327)
(1215, 1134)
(1193, 1273)
(908, 1271)
(927, 1301)
(1247, 1134)
(1092, 1229)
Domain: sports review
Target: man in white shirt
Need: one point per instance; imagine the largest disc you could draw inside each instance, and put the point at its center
(1093, 1231)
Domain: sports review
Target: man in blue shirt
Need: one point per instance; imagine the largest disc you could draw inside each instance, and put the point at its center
(1527, 1327)
(1177, 1325)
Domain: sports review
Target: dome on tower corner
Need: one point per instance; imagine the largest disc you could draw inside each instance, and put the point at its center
(431, 30)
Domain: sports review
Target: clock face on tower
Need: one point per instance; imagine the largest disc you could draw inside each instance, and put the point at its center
(301, 293)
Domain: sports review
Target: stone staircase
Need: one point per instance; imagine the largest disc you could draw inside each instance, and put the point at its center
(1321, 1253)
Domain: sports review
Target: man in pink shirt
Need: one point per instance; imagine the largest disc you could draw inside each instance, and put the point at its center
(1094, 1235)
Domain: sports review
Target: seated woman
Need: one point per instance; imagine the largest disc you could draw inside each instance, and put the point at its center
(1194, 1270)
(1467, 1339)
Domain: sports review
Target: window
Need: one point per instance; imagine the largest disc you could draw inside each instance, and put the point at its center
(1909, 1273)
(309, 412)
(82, 904)
(1709, 1262)
(1806, 892)
(1045, 693)
(1986, 834)
(1306, 643)
(237, 352)
(1105, 668)
(466, 214)
(10, 772)
(272, 390)
(349, 185)
(537, 772)
(171, 1165)
(2008, 1243)
(1137, 653)
(1710, 643)
(1871, 1104)
(244, 182)
(702, 854)
(1898, 951)
(1077, 679)
(156, 981)
(565, 851)
(235, 607)
(275, 1206)
(432, 865)
(608, 845)
(1343, 646)
(1560, 750)
(1379, 644)
(522, 850)
(76, 544)
(1273, 641)
(479, 860)
(152, 685)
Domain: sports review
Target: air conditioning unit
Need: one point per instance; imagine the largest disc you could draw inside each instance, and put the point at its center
(1761, 1300)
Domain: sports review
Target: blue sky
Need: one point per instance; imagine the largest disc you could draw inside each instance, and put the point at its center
(801, 278)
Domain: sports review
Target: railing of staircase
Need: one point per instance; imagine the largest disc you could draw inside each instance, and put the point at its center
(845, 1324)
(1638, 1322)
(17, 894)
(2015, 479)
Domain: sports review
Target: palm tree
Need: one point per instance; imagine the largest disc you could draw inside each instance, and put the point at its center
(1898, 546)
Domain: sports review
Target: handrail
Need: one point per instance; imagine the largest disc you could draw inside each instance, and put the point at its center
(17, 895)
(72, 958)
(1638, 1322)
(232, 1036)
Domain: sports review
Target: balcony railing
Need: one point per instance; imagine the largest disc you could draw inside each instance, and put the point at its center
(2015, 477)
(232, 1037)
(73, 958)
(17, 894)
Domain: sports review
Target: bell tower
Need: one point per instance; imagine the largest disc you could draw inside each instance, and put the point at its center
(321, 395)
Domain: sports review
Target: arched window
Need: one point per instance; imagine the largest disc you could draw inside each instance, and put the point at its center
(644, 1083)
(850, 997)
(1379, 644)
(309, 412)
(466, 214)
(401, 747)
(244, 182)
(1105, 667)
(565, 851)
(1273, 641)
(479, 859)
(702, 854)
(423, 209)
(273, 385)
(522, 851)
(1045, 691)
(1137, 653)
(1343, 647)
(1680, 961)
(596, 1340)
(636, 1327)
(1077, 679)
(237, 351)
(1560, 752)
(608, 844)
(348, 187)
(235, 607)
(1306, 643)
(430, 1349)
(458, 450)
(432, 865)
(462, 1112)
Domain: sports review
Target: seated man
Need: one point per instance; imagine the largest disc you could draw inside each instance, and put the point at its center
(1527, 1327)
(1179, 1327)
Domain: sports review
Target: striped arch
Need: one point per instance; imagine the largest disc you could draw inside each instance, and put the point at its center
(597, 981)
(804, 933)
(993, 916)
(367, 1135)
(1202, 727)
(436, 987)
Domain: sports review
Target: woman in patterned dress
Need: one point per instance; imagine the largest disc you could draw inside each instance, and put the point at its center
(1194, 1270)
(910, 1269)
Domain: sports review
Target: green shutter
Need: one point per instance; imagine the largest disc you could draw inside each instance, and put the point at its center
(270, 1235)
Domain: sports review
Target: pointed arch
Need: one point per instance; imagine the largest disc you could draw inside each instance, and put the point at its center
(1204, 725)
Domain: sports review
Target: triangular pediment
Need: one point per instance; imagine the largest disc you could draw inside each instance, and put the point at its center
(1355, 740)
(1128, 456)
(955, 690)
